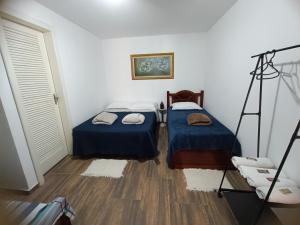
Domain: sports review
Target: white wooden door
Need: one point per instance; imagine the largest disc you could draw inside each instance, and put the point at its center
(29, 72)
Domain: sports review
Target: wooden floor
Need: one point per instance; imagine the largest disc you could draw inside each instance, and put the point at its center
(148, 194)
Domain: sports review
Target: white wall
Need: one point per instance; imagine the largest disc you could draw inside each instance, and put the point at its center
(79, 57)
(251, 27)
(189, 60)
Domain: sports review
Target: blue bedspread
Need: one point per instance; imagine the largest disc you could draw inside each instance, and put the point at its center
(117, 139)
(183, 136)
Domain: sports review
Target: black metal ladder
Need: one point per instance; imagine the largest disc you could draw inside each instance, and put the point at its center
(259, 76)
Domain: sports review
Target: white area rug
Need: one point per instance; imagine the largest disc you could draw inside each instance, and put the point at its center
(106, 168)
(204, 180)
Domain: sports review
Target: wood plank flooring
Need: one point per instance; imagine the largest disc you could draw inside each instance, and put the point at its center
(148, 194)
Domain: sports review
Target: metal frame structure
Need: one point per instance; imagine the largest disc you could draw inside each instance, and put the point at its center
(258, 73)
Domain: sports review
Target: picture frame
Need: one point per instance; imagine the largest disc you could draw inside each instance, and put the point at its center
(152, 66)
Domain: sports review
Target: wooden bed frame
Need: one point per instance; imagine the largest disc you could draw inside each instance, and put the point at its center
(199, 158)
(185, 96)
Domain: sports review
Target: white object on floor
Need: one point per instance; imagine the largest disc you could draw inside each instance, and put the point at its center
(253, 162)
(105, 168)
(105, 118)
(253, 172)
(204, 180)
(284, 195)
(134, 118)
(260, 181)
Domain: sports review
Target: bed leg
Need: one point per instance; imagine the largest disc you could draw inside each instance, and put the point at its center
(156, 160)
(220, 195)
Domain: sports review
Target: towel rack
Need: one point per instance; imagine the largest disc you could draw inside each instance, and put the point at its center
(252, 208)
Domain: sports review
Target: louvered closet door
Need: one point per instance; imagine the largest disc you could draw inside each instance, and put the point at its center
(30, 76)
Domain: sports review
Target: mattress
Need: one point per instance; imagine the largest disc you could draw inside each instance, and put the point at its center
(121, 140)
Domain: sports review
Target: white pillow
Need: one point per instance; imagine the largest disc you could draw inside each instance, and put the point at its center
(119, 105)
(144, 106)
(185, 106)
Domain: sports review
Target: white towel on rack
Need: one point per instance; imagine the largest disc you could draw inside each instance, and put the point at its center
(253, 172)
(259, 181)
(284, 195)
(254, 162)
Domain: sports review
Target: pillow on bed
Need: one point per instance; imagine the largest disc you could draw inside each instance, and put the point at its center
(185, 106)
(144, 106)
(119, 106)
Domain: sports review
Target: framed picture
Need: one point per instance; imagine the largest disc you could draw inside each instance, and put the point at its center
(152, 66)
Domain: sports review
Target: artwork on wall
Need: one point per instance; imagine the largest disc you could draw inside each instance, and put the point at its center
(152, 66)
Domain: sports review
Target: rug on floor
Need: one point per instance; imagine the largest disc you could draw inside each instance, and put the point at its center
(204, 179)
(105, 168)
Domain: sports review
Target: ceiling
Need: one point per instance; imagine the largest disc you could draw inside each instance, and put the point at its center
(126, 18)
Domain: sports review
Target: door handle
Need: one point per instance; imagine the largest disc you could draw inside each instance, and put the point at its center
(55, 97)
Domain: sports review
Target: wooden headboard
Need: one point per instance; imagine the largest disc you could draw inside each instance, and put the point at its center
(185, 96)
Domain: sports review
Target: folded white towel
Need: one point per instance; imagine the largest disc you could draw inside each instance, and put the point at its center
(105, 118)
(134, 118)
(253, 172)
(259, 181)
(254, 162)
(284, 195)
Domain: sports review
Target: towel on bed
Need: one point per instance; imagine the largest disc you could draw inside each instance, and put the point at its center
(253, 162)
(284, 195)
(259, 181)
(253, 172)
(134, 118)
(105, 118)
(198, 119)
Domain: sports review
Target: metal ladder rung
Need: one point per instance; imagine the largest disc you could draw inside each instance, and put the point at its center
(250, 114)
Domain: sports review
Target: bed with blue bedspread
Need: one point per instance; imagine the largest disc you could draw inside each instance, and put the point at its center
(118, 139)
(197, 146)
